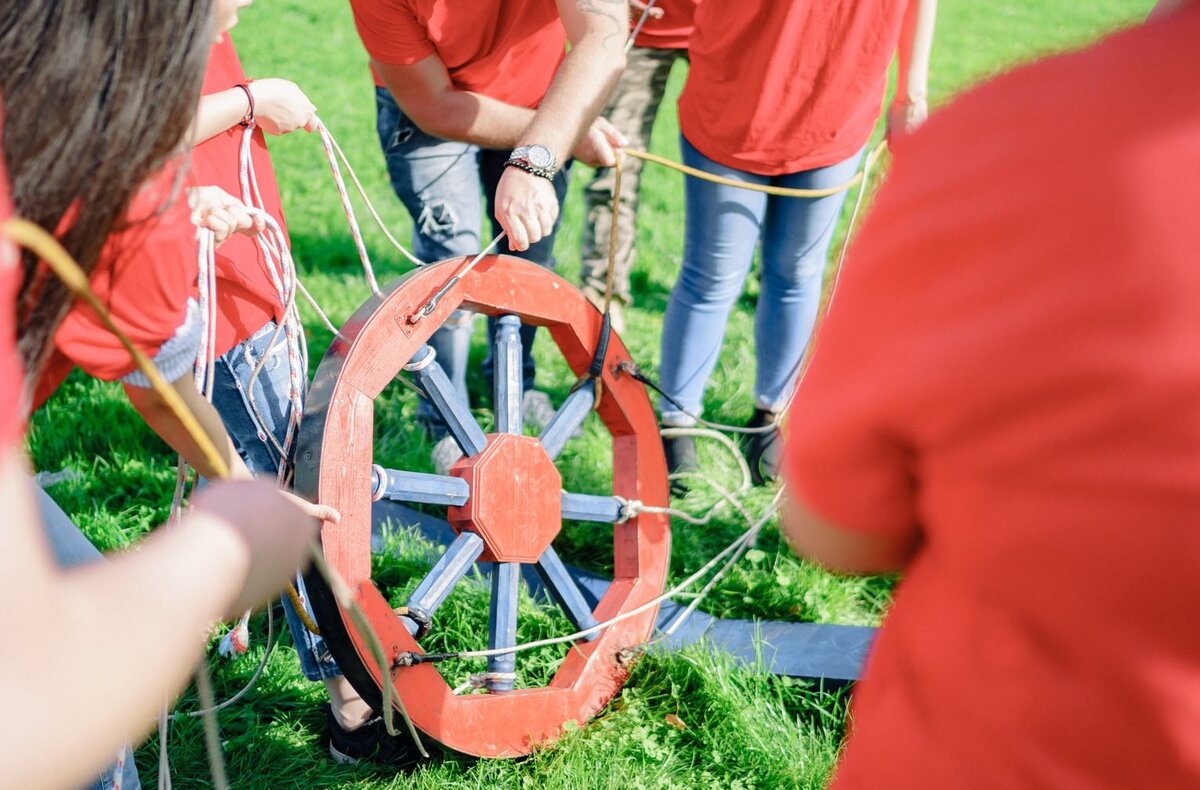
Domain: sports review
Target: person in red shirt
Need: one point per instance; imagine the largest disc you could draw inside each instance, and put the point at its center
(786, 95)
(460, 84)
(661, 40)
(145, 609)
(1005, 403)
(256, 410)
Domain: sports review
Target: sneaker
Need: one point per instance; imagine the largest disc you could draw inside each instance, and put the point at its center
(764, 451)
(370, 742)
(445, 454)
(681, 459)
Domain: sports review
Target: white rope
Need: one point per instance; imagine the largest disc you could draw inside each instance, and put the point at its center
(647, 12)
(745, 538)
(331, 143)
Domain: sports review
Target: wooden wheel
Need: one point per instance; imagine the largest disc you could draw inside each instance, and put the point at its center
(504, 499)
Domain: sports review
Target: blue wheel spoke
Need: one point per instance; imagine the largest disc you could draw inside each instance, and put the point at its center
(587, 507)
(437, 387)
(509, 378)
(401, 486)
(502, 624)
(441, 579)
(566, 592)
(568, 419)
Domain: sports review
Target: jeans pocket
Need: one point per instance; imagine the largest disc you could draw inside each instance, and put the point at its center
(394, 127)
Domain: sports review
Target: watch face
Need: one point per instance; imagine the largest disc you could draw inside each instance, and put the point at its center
(540, 156)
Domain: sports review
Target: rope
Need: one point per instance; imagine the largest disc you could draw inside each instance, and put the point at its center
(647, 12)
(47, 248)
(747, 537)
(729, 182)
(427, 309)
(355, 231)
(801, 366)
(330, 142)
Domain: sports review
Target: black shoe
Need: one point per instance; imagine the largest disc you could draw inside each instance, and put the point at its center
(764, 450)
(372, 743)
(681, 459)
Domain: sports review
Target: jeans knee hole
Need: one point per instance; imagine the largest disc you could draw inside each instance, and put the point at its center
(400, 136)
(437, 219)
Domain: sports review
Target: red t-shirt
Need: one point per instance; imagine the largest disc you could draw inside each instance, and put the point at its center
(779, 87)
(246, 298)
(1011, 366)
(508, 50)
(670, 32)
(145, 277)
(11, 412)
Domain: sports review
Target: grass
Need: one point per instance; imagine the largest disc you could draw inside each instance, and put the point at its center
(686, 720)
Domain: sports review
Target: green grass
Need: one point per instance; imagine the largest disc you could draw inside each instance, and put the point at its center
(740, 729)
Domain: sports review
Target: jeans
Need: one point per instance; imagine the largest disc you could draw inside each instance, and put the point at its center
(231, 399)
(439, 182)
(71, 548)
(723, 225)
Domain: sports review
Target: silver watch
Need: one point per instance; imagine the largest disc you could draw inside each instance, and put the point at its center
(536, 159)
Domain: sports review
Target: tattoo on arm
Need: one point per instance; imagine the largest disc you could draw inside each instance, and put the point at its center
(613, 10)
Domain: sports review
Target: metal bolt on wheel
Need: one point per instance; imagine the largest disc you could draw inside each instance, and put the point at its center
(504, 499)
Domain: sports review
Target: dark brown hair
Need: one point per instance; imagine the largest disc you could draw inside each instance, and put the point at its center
(98, 95)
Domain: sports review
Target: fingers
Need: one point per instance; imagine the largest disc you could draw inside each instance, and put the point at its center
(611, 133)
(526, 207)
(604, 153)
(223, 214)
(317, 511)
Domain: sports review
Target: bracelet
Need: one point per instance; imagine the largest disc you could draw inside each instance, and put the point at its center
(528, 168)
(248, 118)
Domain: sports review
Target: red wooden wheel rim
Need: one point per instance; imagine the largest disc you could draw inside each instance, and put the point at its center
(374, 346)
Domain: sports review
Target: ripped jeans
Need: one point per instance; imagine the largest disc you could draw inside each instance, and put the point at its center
(440, 183)
(233, 401)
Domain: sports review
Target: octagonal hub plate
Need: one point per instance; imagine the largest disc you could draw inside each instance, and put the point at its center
(516, 498)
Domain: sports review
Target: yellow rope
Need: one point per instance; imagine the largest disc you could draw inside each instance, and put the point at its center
(729, 182)
(60, 262)
(46, 247)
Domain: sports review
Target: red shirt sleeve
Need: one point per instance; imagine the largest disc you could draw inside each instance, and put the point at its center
(391, 32)
(145, 277)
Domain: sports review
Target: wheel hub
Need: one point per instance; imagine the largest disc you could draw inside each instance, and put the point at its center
(515, 507)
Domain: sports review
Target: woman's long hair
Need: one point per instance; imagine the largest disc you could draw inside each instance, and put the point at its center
(98, 95)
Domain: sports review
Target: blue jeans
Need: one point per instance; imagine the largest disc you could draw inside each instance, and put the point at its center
(439, 182)
(723, 225)
(231, 399)
(71, 548)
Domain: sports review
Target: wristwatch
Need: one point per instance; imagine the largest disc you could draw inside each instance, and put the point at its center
(536, 159)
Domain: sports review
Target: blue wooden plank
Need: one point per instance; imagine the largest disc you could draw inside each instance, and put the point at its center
(420, 487)
(589, 507)
(502, 624)
(568, 419)
(565, 592)
(508, 375)
(430, 376)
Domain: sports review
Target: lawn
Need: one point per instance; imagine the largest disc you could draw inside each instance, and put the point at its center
(685, 720)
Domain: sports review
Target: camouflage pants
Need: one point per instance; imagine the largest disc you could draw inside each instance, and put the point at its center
(632, 109)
